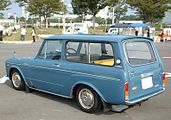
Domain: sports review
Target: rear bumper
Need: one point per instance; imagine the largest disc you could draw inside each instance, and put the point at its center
(144, 98)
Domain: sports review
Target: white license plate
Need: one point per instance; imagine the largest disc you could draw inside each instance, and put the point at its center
(147, 82)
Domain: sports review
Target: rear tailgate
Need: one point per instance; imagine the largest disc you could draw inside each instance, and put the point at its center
(144, 70)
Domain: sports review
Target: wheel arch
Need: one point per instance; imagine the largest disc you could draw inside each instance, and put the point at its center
(76, 86)
(18, 69)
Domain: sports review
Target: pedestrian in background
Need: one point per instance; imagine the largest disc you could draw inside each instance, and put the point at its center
(23, 33)
(148, 32)
(1, 32)
(33, 34)
(136, 32)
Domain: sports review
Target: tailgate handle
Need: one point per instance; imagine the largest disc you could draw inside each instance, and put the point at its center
(132, 73)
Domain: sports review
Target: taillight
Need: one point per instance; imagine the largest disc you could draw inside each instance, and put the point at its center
(126, 91)
(164, 79)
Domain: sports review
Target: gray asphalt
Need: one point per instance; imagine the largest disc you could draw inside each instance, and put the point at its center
(18, 105)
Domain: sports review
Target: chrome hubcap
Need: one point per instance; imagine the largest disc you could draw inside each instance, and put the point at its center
(16, 80)
(86, 98)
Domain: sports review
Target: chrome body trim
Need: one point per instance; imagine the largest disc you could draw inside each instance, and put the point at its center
(126, 56)
(50, 93)
(69, 71)
(143, 98)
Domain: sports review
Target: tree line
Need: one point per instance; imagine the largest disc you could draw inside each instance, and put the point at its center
(151, 11)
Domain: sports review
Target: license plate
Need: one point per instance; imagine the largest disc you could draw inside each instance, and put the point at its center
(147, 82)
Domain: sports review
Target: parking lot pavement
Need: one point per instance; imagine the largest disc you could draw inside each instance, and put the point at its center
(3, 79)
(18, 105)
(22, 50)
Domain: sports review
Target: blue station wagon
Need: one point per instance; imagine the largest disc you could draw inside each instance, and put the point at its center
(98, 71)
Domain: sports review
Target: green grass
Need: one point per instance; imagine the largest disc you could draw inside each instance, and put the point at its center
(17, 37)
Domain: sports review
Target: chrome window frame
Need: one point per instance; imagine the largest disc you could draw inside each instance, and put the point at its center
(140, 40)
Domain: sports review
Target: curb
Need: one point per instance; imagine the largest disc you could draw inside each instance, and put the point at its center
(3, 79)
(41, 36)
(45, 35)
(17, 42)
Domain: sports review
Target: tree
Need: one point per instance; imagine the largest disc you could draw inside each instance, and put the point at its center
(44, 8)
(100, 21)
(120, 8)
(95, 6)
(22, 2)
(80, 8)
(4, 4)
(150, 10)
(84, 7)
(120, 12)
(131, 17)
(1, 16)
(11, 17)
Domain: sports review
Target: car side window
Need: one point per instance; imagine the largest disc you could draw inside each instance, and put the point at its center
(51, 50)
(90, 53)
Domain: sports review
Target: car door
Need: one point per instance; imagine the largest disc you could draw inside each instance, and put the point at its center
(93, 63)
(46, 67)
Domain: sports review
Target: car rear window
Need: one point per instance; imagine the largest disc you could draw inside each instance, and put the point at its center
(139, 53)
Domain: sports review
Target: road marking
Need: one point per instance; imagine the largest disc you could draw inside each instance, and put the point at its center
(168, 74)
(167, 57)
(3, 79)
(16, 42)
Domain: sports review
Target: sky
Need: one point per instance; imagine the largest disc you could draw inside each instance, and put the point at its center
(15, 9)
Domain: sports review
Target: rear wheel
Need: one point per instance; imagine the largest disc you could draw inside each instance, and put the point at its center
(17, 80)
(88, 100)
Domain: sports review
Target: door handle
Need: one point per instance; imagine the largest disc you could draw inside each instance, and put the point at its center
(56, 65)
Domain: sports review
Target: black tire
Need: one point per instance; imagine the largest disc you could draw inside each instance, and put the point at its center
(88, 100)
(17, 80)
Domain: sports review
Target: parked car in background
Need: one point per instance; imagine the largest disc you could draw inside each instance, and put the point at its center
(113, 31)
(77, 28)
(98, 71)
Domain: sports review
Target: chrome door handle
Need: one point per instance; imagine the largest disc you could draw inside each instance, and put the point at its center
(56, 65)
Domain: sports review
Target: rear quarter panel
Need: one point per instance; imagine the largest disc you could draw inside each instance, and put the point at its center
(136, 73)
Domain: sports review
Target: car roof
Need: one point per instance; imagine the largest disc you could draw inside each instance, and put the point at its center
(88, 37)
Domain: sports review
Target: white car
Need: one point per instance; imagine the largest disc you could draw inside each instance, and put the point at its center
(77, 28)
(113, 31)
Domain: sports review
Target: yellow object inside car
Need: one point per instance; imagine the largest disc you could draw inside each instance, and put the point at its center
(107, 62)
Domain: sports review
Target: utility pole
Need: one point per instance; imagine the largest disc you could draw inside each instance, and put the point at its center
(113, 15)
(63, 20)
(15, 19)
(63, 16)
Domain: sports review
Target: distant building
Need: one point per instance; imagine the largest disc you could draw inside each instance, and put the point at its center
(7, 22)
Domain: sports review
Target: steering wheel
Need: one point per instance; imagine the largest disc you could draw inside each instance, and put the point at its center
(71, 51)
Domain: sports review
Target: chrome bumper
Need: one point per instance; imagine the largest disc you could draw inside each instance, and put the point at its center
(144, 98)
